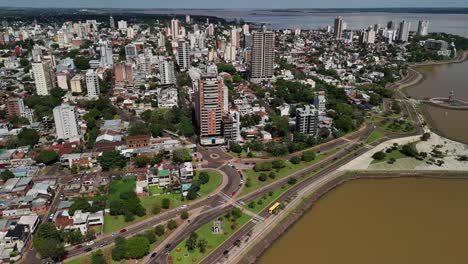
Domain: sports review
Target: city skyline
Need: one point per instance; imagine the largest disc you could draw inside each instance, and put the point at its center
(272, 4)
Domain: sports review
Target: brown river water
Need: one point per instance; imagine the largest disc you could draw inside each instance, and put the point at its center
(381, 221)
(438, 81)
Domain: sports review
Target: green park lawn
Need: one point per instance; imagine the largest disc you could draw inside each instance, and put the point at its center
(181, 255)
(374, 136)
(399, 126)
(255, 183)
(115, 223)
(263, 202)
(395, 154)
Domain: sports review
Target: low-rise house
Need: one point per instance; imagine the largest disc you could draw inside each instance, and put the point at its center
(81, 221)
(16, 240)
(186, 172)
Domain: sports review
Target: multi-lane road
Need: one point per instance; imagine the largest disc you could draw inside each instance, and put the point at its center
(216, 205)
(337, 160)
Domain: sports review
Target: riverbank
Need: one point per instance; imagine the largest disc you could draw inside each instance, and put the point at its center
(415, 77)
(297, 212)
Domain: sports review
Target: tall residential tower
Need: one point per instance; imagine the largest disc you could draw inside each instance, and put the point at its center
(263, 55)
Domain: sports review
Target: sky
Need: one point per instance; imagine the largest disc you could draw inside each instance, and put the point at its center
(267, 4)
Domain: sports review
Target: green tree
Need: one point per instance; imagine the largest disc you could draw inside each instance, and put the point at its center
(202, 244)
(138, 129)
(24, 62)
(184, 215)
(191, 242)
(6, 174)
(159, 230)
(181, 155)
(112, 160)
(98, 258)
(295, 160)
(156, 209)
(204, 177)
(379, 155)
(236, 212)
(308, 156)
(165, 203)
(47, 157)
(292, 181)
(72, 237)
(141, 161)
(79, 204)
(150, 236)
(81, 63)
(119, 250)
(236, 148)
(262, 177)
(47, 241)
(158, 158)
(172, 224)
(28, 137)
(278, 164)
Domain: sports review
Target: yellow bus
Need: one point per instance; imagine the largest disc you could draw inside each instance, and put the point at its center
(273, 208)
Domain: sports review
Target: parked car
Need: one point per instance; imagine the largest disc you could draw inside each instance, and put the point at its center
(123, 231)
(154, 254)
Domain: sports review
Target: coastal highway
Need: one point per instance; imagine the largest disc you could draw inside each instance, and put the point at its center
(340, 158)
(216, 204)
(318, 179)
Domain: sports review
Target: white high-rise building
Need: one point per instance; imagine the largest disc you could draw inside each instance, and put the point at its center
(167, 72)
(130, 33)
(122, 25)
(423, 28)
(403, 31)
(43, 77)
(246, 29)
(37, 53)
(92, 84)
(175, 29)
(161, 40)
(66, 122)
(235, 37)
(62, 36)
(230, 53)
(188, 20)
(320, 101)
(263, 55)
(210, 30)
(183, 55)
(106, 55)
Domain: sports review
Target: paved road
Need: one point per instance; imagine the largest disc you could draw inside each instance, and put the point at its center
(221, 209)
(214, 206)
(220, 252)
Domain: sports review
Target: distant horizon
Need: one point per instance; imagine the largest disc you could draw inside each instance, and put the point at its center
(241, 8)
(239, 4)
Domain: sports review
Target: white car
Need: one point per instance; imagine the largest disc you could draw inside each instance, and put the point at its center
(90, 243)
